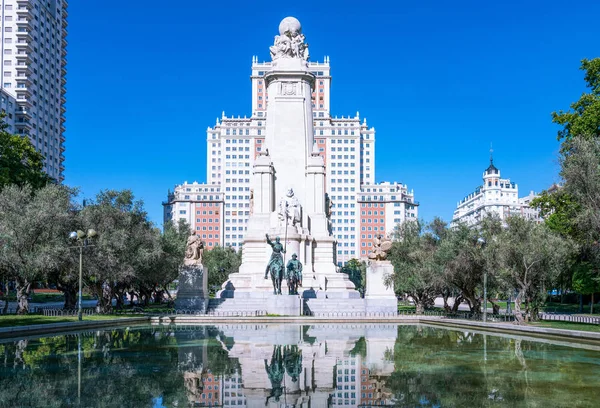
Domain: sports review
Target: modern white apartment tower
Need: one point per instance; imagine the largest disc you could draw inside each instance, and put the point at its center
(33, 69)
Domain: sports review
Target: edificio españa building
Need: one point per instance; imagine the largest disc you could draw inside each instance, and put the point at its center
(33, 69)
(359, 207)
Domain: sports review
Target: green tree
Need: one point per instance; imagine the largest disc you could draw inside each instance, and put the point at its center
(127, 246)
(461, 255)
(417, 270)
(20, 163)
(357, 273)
(34, 229)
(583, 119)
(219, 263)
(585, 281)
(530, 257)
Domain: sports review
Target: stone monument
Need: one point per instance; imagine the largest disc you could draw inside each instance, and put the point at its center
(192, 290)
(380, 298)
(288, 193)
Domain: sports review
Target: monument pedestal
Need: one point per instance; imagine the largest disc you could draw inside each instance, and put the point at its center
(192, 291)
(378, 297)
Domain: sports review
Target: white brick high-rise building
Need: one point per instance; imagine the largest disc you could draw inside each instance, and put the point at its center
(360, 208)
(33, 69)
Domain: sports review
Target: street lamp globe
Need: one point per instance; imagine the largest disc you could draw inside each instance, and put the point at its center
(73, 235)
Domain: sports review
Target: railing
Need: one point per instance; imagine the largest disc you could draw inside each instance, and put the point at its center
(569, 318)
(247, 313)
(68, 312)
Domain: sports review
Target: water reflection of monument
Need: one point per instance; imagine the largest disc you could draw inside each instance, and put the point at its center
(310, 366)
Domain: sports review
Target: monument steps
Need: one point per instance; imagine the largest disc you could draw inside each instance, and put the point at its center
(327, 307)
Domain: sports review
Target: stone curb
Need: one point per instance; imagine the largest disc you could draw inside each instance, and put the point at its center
(515, 329)
(19, 331)
(441, 321)
(282, 319)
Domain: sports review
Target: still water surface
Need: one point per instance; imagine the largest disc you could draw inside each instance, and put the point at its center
(296, 366)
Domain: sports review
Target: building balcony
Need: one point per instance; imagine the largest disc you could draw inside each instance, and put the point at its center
(24, 101)
(23, 113)
(62, 138)
(64, 42)
(22, 11)
(63, 70)
(24, 34)
(23, 45)
(63, 119)
(24, 23)
(63, 52)
(62, 148)
(25, 126)
(63, 110)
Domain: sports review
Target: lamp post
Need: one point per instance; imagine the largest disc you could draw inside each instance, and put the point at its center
(482, 242)
(83, 240)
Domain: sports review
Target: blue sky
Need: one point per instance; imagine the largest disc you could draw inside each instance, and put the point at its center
(439, 81)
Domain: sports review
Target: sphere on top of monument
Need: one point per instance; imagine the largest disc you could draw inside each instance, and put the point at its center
(290, 24)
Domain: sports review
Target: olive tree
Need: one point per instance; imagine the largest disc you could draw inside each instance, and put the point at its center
(530, 258)
(33, 233)
(417, 270)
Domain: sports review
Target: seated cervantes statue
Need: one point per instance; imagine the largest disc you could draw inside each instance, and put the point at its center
(290, 210)
(194, 250)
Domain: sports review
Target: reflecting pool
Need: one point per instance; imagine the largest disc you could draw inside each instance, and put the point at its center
(323, 365)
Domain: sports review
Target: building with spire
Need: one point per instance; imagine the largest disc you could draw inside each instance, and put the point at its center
(497, 195)
(359, 207)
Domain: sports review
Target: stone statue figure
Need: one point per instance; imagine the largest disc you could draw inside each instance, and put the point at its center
(194, 250)
(293, 275)
(290, 209)
(381, 244)
(290, 41)
(275, 371)
(275, 265)
(328, 206)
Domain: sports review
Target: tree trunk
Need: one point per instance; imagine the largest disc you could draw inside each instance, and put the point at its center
(131, 296)
(580, 303)
(420, 306)
(445, 296)
(495, 307)
(457, 301)
(70, 293)
(119, 298)
(518, 315)
(592, 304)
(23, 291)
(104, 293)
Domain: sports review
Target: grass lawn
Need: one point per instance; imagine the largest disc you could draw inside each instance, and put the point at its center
(568, 326)
(27, 320)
